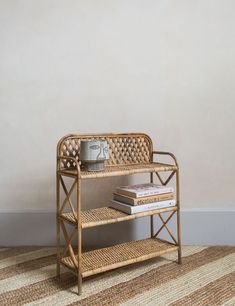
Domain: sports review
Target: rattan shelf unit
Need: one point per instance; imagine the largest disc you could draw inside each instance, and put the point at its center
(128, 154)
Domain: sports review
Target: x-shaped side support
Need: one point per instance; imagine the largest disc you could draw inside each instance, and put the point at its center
(164, 222)
(164, 225)
(68, 246)
(164, 183)
(68, 195)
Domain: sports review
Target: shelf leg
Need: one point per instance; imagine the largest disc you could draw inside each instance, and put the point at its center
(58, 225)
(178, 218)
(152, 226)
(179, 238)
(58, 250)
(79, 284)
(151, 217)
(79, 235)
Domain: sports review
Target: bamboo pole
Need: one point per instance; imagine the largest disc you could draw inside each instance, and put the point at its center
(79, 236)
(178, 217)
(151, 217)
(58, 223)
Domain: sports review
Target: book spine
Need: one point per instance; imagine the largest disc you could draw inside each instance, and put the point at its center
(143, 200)
(126, 193)
(145, 193)
(125, 208)
(141, 208)
(124, 199)
(153, 192)
(159, 198)
(152, 206)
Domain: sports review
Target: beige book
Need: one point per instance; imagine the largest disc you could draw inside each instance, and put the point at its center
(143, 200)
(143, 190)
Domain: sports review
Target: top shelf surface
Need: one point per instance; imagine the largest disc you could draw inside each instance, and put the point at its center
(121, 170)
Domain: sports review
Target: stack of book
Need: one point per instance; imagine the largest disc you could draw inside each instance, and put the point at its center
(142, 197)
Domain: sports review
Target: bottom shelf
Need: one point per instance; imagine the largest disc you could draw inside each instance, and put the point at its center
(100, 260)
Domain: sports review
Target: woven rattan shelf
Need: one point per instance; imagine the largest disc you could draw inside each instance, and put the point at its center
(129, 153)
(108, 215)
(119, 255)
(121, 170)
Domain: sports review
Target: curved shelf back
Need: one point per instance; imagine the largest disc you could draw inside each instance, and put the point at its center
(124, 149)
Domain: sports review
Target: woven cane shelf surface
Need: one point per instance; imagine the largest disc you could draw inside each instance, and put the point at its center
(108, 215)
(109, 258)
(121, 170)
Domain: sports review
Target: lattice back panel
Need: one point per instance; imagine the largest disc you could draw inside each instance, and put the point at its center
(123, 149)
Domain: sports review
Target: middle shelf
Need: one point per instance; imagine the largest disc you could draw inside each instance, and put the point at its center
(108, 215)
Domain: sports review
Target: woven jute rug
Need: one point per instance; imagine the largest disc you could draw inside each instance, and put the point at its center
(206, 277)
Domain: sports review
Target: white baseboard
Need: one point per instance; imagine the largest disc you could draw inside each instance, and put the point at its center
(199, 227)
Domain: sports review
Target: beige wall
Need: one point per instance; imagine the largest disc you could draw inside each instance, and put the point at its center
(166, 68)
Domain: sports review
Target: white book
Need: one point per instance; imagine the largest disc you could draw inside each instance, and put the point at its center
(129, 209)
(143, 190)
